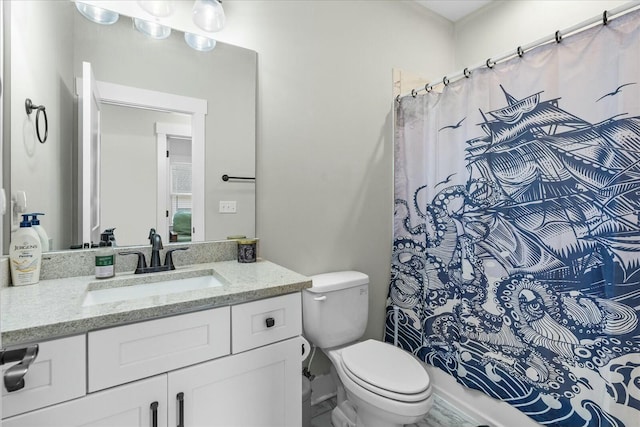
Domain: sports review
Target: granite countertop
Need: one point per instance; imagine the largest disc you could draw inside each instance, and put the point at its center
(54, 308)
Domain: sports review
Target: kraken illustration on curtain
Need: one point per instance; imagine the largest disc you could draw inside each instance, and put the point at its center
(516, 252)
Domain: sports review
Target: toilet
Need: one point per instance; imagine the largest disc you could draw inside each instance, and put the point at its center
(379, 385)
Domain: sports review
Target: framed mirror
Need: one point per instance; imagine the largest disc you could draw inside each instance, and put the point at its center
(46, 43)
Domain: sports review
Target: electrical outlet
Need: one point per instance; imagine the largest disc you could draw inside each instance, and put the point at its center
(227, 206)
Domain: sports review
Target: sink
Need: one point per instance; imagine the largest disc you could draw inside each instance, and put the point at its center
(127, 289)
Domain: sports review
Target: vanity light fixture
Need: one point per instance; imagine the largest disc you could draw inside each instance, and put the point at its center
(198, 42)
(209, 15)
(97, 14)
(152, 29)
(156, 18)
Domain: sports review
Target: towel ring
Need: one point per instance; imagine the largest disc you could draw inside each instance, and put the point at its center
(29, 107)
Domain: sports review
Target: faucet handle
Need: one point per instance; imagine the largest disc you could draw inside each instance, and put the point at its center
(142, 262)
(168, 258)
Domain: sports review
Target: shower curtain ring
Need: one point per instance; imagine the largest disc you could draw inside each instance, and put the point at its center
(428, 87)
(605, 18)
(520, 51)
(398, 98)
(414, 93)
(445, 81)
(490, 64)
(467, 73)
(558, 36)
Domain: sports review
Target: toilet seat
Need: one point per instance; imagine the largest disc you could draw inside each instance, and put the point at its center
(386, 371)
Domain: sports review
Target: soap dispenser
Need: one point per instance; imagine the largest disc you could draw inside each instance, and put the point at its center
(25, 254)
(42, 234)
(106, 255)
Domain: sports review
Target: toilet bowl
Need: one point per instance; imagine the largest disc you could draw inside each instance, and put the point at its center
(386, 385)
(379, 385)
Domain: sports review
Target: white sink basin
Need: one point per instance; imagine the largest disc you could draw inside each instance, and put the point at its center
(127, 292)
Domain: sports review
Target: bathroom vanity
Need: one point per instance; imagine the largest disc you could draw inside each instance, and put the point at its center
(223, 355)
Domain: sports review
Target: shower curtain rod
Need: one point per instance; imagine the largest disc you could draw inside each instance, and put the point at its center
(521, 50)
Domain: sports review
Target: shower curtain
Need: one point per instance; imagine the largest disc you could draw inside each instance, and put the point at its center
(516, 251)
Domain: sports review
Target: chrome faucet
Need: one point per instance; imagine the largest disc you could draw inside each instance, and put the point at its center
(156, 246)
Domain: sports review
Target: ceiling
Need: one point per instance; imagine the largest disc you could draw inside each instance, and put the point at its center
(453, 10)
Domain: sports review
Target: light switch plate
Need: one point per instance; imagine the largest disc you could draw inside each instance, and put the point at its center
(227, 206)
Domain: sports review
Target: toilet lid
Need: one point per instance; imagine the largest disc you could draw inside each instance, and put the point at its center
(378, 365)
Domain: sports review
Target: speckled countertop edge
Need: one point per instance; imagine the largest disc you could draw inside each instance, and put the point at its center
(54, 308)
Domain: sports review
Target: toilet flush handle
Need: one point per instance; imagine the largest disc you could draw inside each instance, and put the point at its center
(320, 298)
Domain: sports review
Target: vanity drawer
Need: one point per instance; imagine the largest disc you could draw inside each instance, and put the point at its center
(58, 374)
(263, 322)
(127, 353)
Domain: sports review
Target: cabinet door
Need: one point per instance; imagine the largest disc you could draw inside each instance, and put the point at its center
(125, 406)
(258, 388)
(58, 374)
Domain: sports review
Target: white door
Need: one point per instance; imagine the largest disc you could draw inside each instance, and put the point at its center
(89, 158)
(139, 404)
(258, 388)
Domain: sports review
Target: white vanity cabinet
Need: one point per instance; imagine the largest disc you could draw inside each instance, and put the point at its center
(228, 366)
(138, 404)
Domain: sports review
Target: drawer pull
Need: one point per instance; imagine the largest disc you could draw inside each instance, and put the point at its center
(154, 414)
(180, 397)
(270, 322)
(14, 376)
(320, 298)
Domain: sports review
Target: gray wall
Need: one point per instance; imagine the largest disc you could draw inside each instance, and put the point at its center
(39, 66)
(325, 134)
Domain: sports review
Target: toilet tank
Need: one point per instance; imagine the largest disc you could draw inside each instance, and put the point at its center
(335, 309)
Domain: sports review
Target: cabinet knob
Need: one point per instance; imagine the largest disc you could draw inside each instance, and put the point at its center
(270, 322)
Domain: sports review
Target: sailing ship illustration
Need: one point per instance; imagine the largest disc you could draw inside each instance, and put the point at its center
(565, 189)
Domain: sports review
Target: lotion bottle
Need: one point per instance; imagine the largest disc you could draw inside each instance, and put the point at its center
(25, 254)
(42, 234)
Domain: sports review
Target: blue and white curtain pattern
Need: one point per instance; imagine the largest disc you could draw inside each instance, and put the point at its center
(516, 252)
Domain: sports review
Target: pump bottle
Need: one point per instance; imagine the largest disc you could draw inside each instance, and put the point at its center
(106, 255)
(25, 254)
(42, 234)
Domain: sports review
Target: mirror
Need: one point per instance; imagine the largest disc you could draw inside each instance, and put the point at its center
(45, 45)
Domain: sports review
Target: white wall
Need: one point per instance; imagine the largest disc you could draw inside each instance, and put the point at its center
(324, 145)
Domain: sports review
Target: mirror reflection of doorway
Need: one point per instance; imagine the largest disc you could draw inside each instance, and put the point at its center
(131, 198)
(179, 186)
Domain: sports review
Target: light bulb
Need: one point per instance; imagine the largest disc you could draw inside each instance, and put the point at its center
(199, 42)
(208, 15)
(159, 8)
(97, 14)
(152, 29)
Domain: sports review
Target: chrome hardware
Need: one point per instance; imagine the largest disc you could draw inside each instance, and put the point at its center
(14, 376)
